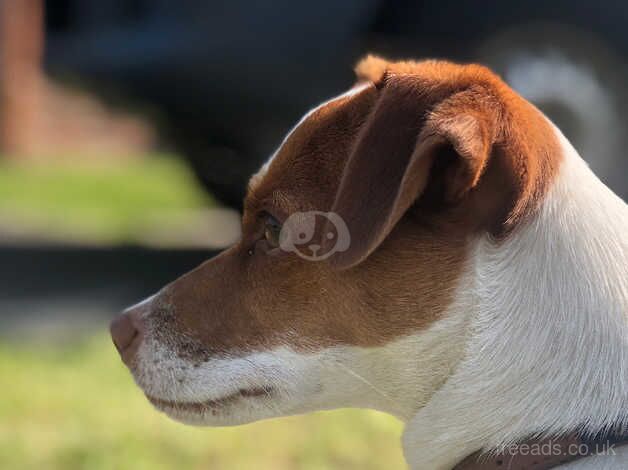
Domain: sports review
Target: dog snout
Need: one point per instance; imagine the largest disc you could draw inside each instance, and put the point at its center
(127, 332)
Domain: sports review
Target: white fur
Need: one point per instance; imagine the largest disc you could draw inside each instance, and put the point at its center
(162, 374)
(548, 337)
(396, 378)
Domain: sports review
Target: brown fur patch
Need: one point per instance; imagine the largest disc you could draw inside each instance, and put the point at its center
(524, 146)
(464, 155)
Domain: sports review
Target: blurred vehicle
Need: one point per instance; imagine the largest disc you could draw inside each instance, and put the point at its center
(227, 79)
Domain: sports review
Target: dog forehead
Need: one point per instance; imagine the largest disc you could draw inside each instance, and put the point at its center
(313, 154)
(310, 160)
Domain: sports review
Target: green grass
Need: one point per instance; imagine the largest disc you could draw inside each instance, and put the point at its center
(75, 407)
(104, 203)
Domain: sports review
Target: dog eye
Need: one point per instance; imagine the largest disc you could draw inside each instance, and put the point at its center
(272, 230)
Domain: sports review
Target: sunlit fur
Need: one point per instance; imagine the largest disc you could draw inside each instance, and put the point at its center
(547, 347)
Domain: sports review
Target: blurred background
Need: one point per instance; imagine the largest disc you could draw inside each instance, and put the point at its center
(128, 130)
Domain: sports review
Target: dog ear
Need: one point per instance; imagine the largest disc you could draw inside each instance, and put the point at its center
(410, 132)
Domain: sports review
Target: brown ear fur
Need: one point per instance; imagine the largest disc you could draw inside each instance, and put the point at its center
(389, 167)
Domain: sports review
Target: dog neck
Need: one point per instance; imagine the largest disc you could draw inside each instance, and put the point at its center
(546, 333)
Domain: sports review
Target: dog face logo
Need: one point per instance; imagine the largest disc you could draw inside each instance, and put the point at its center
(307, 233)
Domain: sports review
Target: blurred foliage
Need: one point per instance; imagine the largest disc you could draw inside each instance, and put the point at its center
(96, 203)
(75, 406)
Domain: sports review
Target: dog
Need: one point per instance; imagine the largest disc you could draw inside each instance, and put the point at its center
(427, 244)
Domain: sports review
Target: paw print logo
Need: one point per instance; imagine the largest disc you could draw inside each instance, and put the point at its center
(314, 235)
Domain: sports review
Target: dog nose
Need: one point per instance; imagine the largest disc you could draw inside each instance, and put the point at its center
(123, 332)
(127, 333)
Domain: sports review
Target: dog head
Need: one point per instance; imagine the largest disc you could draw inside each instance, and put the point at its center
(356, 235)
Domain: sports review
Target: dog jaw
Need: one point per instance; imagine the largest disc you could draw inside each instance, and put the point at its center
(241, 388)
(225, 389)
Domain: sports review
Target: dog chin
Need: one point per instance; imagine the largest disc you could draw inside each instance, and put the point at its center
(226, 391)
(231, 411)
